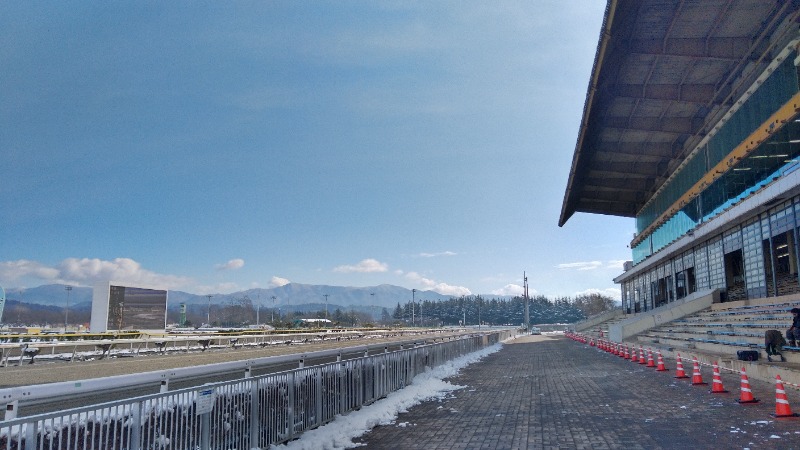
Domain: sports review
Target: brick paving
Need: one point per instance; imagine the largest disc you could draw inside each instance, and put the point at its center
(549, 392)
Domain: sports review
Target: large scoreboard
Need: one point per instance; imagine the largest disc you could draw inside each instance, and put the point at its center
(116, 307)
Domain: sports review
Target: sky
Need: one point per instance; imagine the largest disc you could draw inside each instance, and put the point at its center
(216, 147)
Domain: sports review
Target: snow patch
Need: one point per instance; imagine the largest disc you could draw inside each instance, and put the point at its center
(339, 433)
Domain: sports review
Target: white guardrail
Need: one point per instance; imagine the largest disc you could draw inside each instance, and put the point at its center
(253, 412)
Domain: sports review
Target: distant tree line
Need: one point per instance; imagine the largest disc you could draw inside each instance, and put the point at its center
(469, 310)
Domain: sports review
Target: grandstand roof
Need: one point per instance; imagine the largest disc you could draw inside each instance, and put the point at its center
(664, 73)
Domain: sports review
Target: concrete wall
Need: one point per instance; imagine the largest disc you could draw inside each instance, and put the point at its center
(644, 321)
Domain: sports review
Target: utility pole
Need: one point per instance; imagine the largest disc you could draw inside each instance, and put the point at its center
(208, 315)
(66, 312)
(525, 298)
(413, 293)
(258, 309)
(463, 311)
(326, 305)
(273, 309)
(377, 318)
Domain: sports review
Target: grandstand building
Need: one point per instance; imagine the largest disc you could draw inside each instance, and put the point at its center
(691, 126)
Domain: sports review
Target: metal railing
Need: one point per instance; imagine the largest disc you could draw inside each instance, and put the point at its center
(248, 413)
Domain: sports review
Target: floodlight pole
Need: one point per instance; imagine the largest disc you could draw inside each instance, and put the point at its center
(66, 312)
(525, 298)
(273, 309)
(326, 305)
(258, 309)
(208, 315)
(413, 294)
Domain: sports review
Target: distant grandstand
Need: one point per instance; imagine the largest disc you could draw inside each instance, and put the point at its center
(691, 126)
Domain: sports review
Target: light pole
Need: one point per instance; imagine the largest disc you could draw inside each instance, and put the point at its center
(413, 294)
(326, 305)
(258, 309)
(464, 311)
(208, 315)
(525, 298)
(66, 312)
(377, 318)
(273, 309)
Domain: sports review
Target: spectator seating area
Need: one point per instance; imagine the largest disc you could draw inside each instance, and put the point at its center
(717, 333)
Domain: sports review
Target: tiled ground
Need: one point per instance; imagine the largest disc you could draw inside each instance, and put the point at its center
(549, 392)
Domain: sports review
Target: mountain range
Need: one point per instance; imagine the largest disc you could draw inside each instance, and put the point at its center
(291, 295)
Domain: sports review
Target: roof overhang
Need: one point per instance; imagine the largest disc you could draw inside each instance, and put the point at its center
(664, 73)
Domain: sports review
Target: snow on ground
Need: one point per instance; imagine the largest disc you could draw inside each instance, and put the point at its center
(430, 385)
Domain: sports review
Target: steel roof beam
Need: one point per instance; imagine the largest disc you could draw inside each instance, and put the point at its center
(687, 93)
(672, 125)
(726, 48)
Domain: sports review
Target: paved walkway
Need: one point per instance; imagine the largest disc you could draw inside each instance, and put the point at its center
(549, 392)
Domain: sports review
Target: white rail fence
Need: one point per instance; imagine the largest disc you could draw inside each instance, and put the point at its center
(249, 413)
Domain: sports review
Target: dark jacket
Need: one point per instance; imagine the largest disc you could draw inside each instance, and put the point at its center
(774, 338)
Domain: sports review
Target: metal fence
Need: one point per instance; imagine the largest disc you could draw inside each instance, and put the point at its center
(242, 414)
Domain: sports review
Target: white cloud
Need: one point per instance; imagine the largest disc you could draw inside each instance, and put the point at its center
(11, 271)
(365, 266)
(278, 282)
(509, 289)
(614, 293)
(441, 288)
(233, 264)
(588, 265)
(616, 264)
(433, 255)
(88, 271)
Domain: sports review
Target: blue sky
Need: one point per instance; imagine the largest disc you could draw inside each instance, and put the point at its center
(216, 147)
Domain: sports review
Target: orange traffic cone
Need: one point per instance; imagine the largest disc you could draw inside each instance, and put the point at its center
(627, 354)
(679, 373)
(782, 408)
(633, 354)
(650, 362)
(661, 367)
(697, 379)
(642, 361)
(716, 385)
(591, 342)
(746, 395)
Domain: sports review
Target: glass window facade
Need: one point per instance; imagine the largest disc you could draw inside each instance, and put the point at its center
(756, 259)
(780, 153)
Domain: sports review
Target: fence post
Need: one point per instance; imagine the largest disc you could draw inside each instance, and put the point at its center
(290, 401)
(343, 387)
(255, 408)
(205, 431)
(30, 435)
(135, 426)
(319, 372)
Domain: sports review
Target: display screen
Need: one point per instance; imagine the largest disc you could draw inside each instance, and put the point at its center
(132, 308)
